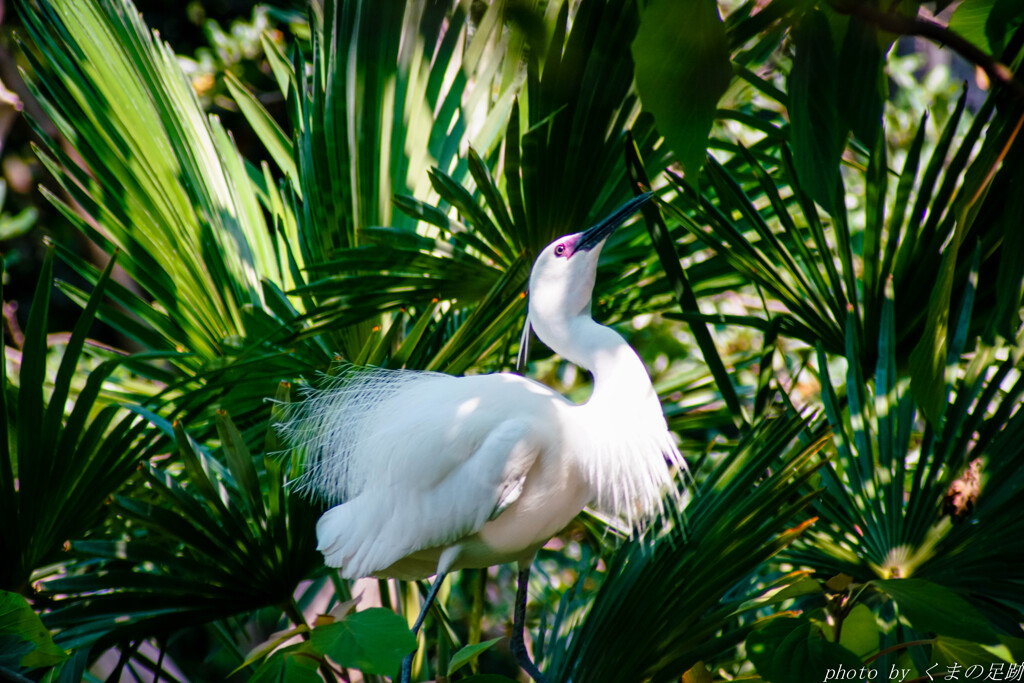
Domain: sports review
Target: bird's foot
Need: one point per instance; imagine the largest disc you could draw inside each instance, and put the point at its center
(518, 648)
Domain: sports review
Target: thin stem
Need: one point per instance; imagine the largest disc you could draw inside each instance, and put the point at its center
(293, 612)
(476, 613)
(897, 647)
(406, 675)
(996, 71)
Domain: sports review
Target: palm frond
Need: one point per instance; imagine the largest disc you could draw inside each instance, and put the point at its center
(899, 505)
(58, 468)
(201, 543)
(166, 186)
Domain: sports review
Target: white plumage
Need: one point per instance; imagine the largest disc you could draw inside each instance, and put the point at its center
(428, 472)
(488, 467)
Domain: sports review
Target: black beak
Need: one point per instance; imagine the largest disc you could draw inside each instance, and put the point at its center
(592, 237)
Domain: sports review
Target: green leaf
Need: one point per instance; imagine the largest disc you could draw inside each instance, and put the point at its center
(487, 678)
(468, 654)
(277, 143)
(640, 621)
(930, 607)
(681, 287)
(860, 97)
(813, 110)
(373, 641)
(19, 622)
(948, 651)
(987, 23)
(682, 69)
(1010, 276)
(165, 185)
(860, 631)
(804, 586)
(279, 64)
(295, 664)
(792, 650)
(17, 225)
(241, 465)
(13, 650)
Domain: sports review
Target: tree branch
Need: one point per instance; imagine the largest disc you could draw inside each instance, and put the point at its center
(996, 71)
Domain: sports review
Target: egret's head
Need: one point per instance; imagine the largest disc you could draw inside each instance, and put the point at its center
(562, 279)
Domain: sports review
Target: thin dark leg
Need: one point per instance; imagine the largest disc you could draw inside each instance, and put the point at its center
(518, 644)
(431, 594)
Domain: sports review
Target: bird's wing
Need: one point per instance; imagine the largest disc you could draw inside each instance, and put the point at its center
(346, 430)
(416, 460)
(384, 524)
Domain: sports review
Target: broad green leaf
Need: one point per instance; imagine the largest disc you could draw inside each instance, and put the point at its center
(698, 674)
(804, 586)
(948, 651)
(467, 654)
(20, 622)
(13, 650)
(682, 69)
(295, 664)
(813, 110)
(860, 631)
(860, 97)
(987, 23)
(792, 650)
(268, 647)
(373, 641)
(930, 607)
(763, 643)
(487, 678)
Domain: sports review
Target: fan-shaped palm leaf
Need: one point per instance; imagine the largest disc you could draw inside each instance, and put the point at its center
(57, 468)
(199, 544)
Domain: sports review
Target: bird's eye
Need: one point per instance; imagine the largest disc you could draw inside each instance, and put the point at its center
(560, 250)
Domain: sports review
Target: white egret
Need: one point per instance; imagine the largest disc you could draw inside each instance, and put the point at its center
(431, 473)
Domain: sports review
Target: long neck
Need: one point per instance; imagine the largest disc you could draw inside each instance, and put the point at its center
(620, 378)
(625, 442)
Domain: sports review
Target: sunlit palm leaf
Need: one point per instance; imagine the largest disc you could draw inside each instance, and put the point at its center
(780, 242)
(896, 505)
(167, 186)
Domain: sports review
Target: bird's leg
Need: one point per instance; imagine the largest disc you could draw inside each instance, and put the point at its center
(518, 644)
(431, 594)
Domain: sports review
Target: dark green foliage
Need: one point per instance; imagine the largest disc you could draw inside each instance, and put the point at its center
(428, 152)
(681, 48)
(814, 110)
(242, 543)
(57, 470)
